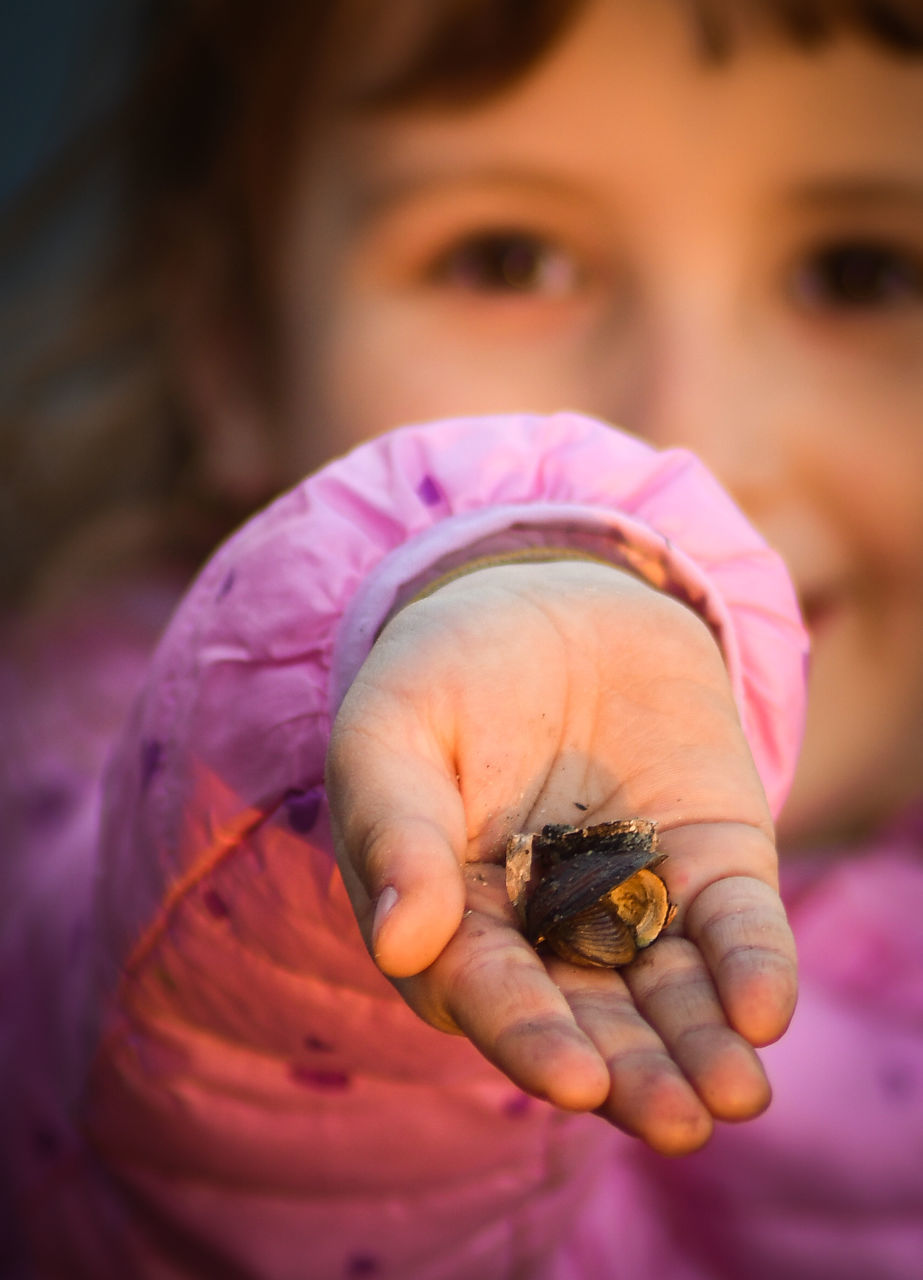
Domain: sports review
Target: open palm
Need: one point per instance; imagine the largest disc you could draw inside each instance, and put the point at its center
(567, 692)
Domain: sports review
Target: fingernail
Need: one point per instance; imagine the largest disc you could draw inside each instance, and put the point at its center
(387, 900)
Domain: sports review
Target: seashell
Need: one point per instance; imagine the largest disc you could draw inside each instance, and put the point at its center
(591, 894)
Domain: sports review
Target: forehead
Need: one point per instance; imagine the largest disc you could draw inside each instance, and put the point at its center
(626, 83)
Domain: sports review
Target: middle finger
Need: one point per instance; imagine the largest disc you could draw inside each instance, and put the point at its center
(649, 1095)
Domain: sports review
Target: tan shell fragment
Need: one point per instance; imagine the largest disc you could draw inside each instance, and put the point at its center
(590, 894)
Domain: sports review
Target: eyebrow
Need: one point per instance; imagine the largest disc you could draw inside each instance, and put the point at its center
(379, 194)
(860, 193)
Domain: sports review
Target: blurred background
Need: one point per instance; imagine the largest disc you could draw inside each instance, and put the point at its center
(63, 66)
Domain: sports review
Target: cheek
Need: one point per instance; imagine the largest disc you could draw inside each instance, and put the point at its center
(888, 498)
(872, 467)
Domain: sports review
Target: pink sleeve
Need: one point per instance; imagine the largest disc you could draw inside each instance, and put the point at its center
(243, 688)
(251, 1049)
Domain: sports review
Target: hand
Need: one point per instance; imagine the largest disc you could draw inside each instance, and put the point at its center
(516, 696)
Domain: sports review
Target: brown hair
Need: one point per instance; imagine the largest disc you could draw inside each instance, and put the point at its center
(204, 144)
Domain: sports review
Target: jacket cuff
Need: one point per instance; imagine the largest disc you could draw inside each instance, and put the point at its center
(534, 532)
(496, 486)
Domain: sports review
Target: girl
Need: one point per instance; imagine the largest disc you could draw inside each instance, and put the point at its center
(703, 224)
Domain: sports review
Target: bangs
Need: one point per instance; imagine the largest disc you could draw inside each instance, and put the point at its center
(893, 26)
(467, 49)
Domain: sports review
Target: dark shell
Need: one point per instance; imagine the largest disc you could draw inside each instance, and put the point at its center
(590, 894)
(632, 840)
(572, 889)
(596, 937)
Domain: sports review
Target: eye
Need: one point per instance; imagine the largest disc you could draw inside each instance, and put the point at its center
(507, 262)
(859, 275)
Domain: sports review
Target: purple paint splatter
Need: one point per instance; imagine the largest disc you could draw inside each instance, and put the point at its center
(215, 904)
(317, 1045)
(428, 491)
(302, 808)
(151, 760)
(48, 803)
(311, 1078)
(47, 1143)
(898, 1081)
(362, 1264)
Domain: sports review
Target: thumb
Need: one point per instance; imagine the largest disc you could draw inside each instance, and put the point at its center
(400, 838)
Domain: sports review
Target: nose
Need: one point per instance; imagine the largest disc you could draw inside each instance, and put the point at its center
(699, 380)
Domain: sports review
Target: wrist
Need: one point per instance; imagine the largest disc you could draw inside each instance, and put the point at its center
(537, 555)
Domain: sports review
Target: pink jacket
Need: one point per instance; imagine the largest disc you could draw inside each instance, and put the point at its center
(207, 1074)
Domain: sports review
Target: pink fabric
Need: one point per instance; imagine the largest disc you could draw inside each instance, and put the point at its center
(829, 1182)
(211, 1078)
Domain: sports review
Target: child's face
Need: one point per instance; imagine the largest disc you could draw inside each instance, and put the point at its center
(727, 257)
